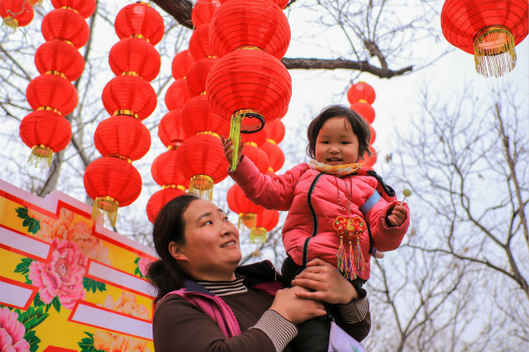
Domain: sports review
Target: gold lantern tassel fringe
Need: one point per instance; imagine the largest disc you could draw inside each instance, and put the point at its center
(39, 154)
(248, 219)
(202, 186)
(107, 204)
(235, 137)
(258, 234)
(494, 51)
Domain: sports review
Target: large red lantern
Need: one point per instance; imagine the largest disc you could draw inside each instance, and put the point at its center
(181, 64)
(361, 92)
(166, 171)
(267, 219)
(135, 56)
(274, 153)
(275, 131)
(159, 199)
(177, 94)
(16, 13)
(199, 43)
(488, 29)
(171, 129)
(52, 92)
(365, 111)
(86, 8)
(65, 24)
(197, 117)
(129, 95)
(56, 56)
(203, 12)
(203, 162)
(240, 23)
(139, 20)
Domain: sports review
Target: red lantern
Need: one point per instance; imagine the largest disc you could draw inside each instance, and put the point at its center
(16, 13)
(181, 64)
(198, 74)
(86, 8)
(45, 132)
(369, 160)
(267, 219)
(362, 92)
(240, 204)
(171, 129)
(203, 12)
(241, 23)
(135, 56)
(52, 92)
(111, 183)
(139, 20)
(257, 156)
(281, 3)
(159, 199)
(365, 111)
(203, 162)
(197, 118)
(373, 135)
(65, 24)
(275, 155)
(488, 29)
(258, 138)
(56, 56)
(122, 136)
(177, 94)
(166, 171)
(199, 43)
(129, 95)
(275, 130)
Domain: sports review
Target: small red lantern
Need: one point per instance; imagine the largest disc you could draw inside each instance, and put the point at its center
(159, 199)
(56, 56)
(122, 136)
(111, 183)
(365, 111)
(241, 23)
(16, 13)
(488, 29)
(86, 8)
(65, 24)
(257, 156)
(45, 132)
(203, 12)
(177, 94)
(267, 219)
(199, 43)
(275, 154)
(135, 56)
(52, 92)
(181, 64)
(240, 204)
(166, 171)
(198, 74)
(275, 130)
(171, 129)
(129, 95)
(139, 20)
(362, 92)
(197, 117)
(203, 162)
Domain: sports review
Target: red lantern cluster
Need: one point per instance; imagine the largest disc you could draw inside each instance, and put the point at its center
(275, 132)
(17, 13)
(112, 181)
(51, 95)
(361, 95)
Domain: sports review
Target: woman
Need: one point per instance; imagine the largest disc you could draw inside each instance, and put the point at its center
(200, 253)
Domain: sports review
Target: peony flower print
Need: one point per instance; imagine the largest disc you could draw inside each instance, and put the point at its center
(12, 332)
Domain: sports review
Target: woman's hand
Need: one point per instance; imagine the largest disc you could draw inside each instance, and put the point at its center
(228, 149)
(324, 283)
(292, 307)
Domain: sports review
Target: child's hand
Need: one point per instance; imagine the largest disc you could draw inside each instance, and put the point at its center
(397, 215)
(228, 149)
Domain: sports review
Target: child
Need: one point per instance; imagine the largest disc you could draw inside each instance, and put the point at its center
(337, 211)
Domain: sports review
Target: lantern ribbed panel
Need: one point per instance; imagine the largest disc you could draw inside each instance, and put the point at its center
(45, 128)
(166, 171)
(199, 43)
(257, 156)
(203, 12)
(122, 136)
(239, 23)
(171, 129)
(177, 94)
(198, 118)
(275, 155)
(139, 19)
(275, 130)
(365, 110)
(203, 154)
(239, 203)
(198, 74)
(65, 24)
(159, 199)
(16, 13)
(267, 218)
(461, 20)
(181, 64)
(129, 93)
(135, 55)
(57, 55)
(86, 8)
(361, 91)
(113, 177)
(52, 91)
(249, 79)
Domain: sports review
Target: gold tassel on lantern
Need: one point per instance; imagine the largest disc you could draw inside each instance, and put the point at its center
(40, 153)
(107, 204)
(202, 186)
(248, 219)
(494, 51)
(258, 234)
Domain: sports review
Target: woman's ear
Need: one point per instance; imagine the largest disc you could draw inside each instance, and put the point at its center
(177, 252)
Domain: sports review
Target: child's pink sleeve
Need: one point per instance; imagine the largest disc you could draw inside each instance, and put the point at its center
(269, 191)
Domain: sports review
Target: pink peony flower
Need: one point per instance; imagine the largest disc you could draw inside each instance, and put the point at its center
(143, 265)
(62, 275)
(91, 246)
(12, 332)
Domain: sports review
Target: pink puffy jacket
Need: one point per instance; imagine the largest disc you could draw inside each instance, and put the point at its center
(302, 188)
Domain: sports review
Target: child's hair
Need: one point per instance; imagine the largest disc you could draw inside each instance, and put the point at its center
(359, 126)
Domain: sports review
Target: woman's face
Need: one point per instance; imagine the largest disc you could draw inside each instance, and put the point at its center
(211, 251)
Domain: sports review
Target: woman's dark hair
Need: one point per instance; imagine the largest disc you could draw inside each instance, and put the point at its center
(165, 274)
(358, 124)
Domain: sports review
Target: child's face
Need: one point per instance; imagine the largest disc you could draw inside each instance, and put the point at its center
(336, 142)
